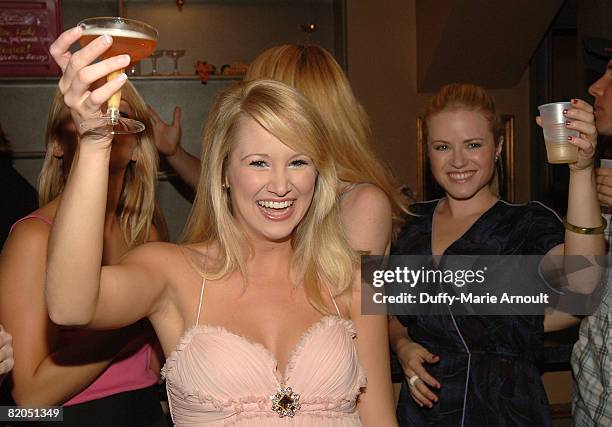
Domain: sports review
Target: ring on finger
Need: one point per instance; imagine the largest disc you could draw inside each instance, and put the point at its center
(412, 380)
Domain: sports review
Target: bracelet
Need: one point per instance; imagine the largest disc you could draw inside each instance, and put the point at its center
(586, 230)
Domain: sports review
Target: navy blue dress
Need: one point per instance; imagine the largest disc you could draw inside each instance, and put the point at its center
(487, 366)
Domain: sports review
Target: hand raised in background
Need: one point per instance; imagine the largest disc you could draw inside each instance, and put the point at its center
(167, 136)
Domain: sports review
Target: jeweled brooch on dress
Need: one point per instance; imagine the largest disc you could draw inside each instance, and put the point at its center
(285, 402)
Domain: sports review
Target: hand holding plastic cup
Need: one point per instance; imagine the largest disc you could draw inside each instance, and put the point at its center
(558, 147)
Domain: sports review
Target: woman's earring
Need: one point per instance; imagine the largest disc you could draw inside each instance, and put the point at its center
(496, 157)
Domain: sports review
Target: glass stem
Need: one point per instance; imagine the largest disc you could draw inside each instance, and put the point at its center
(114, 102)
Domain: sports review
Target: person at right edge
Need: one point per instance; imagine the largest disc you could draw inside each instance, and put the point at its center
(481, 370)
(591, 361)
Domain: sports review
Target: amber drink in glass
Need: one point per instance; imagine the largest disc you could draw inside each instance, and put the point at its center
(130, 37)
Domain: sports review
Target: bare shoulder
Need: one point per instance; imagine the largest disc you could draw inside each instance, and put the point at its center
(33, 232)
(366, 195)
(367, 219)
(29, 236)
(23, 263)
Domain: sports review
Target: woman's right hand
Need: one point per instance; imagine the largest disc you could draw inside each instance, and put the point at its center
(412, 356)
(79, 73)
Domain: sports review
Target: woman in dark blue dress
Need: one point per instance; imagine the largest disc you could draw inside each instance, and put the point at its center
(481, 370)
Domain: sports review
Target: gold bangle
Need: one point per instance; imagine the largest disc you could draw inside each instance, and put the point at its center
(586, 230)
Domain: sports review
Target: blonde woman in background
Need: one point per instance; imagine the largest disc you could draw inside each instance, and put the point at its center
(370, 199)
(100, 377)
(258, 312)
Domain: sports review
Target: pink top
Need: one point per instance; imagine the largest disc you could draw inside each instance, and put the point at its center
(215, 377)
(129, 371)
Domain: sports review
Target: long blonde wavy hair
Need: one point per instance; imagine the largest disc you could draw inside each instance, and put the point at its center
(322, 256)
(138, 209)
(468, 97)
(314, 72)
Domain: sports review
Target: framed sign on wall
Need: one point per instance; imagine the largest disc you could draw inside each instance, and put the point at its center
(27, 29)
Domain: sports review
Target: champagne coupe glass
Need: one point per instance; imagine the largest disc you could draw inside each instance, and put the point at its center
(130, 37)
(175, 54)
(154, 56)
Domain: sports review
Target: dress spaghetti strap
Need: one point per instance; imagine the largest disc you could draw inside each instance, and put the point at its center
(32, 216)
(333, 300)
(200, 303)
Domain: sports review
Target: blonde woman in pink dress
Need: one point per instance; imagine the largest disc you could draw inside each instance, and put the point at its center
(258, 312)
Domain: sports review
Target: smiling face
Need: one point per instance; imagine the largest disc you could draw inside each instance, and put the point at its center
(462, 152)
(270, 185)
(602, 91)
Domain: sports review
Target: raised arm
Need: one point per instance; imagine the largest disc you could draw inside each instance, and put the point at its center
(78, 292)
(168, 142)
(583, 211)
(376, 405)
(583, 205)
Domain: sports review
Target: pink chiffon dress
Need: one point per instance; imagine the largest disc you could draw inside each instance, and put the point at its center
(217, 378)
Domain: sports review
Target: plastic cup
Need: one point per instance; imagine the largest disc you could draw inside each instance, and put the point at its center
(558, 148)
